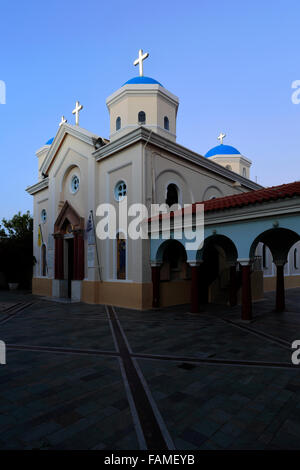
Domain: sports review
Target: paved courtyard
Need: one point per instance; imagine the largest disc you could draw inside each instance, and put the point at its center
(90, 377)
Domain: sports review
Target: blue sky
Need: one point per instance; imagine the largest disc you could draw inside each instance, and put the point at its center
(230, 63)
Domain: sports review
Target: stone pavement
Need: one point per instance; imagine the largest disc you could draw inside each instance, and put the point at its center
(86, 377)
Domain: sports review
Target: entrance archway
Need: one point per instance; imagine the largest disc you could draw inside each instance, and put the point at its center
(217, 270)
(69, 247)
(170, 265)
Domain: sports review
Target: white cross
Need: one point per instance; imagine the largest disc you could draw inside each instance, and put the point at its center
(221, 137)
(139, 61)
(75, 111)
(63, 121)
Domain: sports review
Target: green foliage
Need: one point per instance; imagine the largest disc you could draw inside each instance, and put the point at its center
(16, 248)
(20, 226)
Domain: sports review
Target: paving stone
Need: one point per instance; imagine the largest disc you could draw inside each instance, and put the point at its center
(52, 401)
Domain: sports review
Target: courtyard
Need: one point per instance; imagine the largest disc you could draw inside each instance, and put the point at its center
(82, 376)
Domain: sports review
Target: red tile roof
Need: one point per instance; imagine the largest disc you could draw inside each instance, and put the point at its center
(253, 197)
(243, 199)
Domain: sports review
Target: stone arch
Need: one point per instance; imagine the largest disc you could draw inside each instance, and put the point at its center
(174, 177)
(66, 174)
(217, 270)
(212, 191)
(279, 240)
(162, 247)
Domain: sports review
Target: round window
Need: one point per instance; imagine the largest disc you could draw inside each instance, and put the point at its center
(120, 190)
(43, 216)
(74, 184)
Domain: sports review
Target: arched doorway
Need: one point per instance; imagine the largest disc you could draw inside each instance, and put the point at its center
(218, 279)
(169, 272)
(69, 251)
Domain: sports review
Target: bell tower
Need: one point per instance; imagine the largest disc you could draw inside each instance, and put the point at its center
(142, 101)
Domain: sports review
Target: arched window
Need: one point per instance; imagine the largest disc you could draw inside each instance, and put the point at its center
(172, 195)
(244, 172)
(166, 123)
(43, 260)
(118, 123)
(142, 117)
(44, 216)
(121, 256)
(229, 167)
(295, 258)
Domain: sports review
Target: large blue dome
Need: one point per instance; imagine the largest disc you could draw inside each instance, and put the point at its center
(143, 80)
(222, 150)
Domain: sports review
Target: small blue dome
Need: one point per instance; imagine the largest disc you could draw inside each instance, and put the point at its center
(222, 150)
(143, 80)
(49, 142)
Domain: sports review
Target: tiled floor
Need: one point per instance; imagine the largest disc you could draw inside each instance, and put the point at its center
(65, 389)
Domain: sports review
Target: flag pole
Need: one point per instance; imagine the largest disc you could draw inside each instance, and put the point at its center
(96, 245)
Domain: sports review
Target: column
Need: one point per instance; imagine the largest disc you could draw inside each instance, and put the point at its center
(59, 257)
(246, 289)
(232, 285)
(155, 269)
(195, 286)
(280, 292)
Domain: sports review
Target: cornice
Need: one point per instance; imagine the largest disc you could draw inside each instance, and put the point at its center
(143, 134)
(141, 89)
(35, 188)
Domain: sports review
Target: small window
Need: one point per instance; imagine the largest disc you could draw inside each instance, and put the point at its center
(295, 258)
(74, 184)
(229, 167)
(244, 173)
(142, 117)
(166, 123)
(172, 195)
(43, 216)
(118, 123)
(120, 190)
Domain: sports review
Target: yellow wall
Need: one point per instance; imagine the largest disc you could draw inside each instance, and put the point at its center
(42, 286)
(123, 294)
(175, 293)
(290, 282)
(135, 295)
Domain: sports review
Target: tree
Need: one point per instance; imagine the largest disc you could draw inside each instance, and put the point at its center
(20, 226)
(16, 250)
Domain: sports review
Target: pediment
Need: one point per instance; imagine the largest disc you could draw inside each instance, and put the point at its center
(68, 217)
(63, 131)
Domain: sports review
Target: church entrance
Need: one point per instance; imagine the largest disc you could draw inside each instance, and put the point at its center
(69, 253)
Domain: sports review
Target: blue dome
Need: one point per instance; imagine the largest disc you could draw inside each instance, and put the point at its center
(222, 150)
(144, 80)
(49, 142)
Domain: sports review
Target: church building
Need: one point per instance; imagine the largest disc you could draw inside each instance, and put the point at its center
(142, 162)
